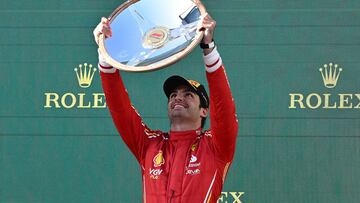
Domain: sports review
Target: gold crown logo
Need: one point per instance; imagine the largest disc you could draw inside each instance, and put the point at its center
(330, 74)
(85, 74)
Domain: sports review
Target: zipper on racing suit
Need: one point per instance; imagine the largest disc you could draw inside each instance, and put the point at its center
(170, 176)
(172, 194)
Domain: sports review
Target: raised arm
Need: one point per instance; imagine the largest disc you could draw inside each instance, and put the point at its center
(223, 121)
(127, 121)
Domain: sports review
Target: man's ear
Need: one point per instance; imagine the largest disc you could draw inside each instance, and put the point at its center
(204, 112)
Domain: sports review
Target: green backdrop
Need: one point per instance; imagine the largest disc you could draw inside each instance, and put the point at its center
(271, 49)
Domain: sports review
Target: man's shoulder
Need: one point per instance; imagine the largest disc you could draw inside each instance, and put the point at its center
(155, 134)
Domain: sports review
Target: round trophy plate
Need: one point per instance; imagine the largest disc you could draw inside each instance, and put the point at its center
(151, 34)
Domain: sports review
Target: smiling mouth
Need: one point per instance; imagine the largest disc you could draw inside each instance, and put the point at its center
(178, 106)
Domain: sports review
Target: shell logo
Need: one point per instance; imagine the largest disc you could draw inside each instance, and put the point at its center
(159, 159)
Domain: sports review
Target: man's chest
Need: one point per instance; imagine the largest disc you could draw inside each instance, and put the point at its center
(171, 164)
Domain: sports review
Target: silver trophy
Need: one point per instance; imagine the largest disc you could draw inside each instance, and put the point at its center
(152, 34)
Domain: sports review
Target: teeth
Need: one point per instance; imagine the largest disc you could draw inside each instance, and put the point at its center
(178, 106)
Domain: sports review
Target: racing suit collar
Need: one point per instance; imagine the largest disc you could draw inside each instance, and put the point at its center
(184, 135)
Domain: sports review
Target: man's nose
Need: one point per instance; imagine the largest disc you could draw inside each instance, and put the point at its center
(179, 97)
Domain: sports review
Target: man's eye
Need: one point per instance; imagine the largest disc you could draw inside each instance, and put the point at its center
(172, 95)
(189, 94)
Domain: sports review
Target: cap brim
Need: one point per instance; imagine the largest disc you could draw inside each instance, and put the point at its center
(173, 82)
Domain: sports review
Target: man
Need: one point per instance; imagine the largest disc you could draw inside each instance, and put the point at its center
(186, 164)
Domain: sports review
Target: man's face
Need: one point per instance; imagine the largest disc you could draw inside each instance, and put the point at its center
(185, 104)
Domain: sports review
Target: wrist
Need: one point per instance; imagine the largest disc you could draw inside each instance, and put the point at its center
(103, 65)
(207, 45)
(207, 41)
(212, 60)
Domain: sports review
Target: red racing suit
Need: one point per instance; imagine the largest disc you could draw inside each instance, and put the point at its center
(186, 167)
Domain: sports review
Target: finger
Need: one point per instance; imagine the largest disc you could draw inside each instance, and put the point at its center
(200, 25)
(107, 31)
(204, 27)
(104, 20)
(108, 34)
(105, 23)
(205, 15)
(208, 17)
(206, 22)
(209, 25)
(102, 27)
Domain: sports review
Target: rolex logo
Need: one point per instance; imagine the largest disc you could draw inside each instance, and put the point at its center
(326, 100)
(85, 74)
(80, 100)
(330, 74)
